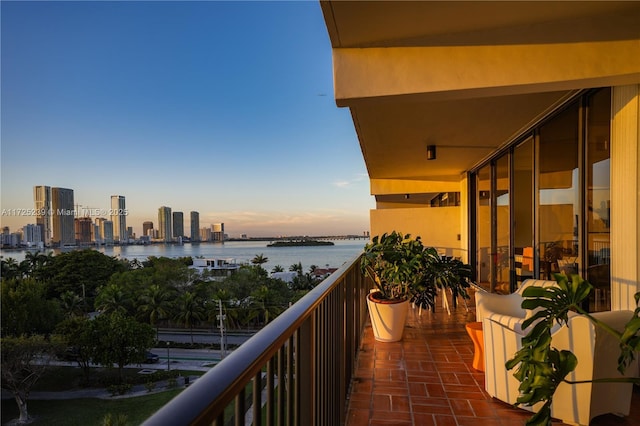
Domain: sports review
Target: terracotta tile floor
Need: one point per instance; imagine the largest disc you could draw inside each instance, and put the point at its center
(427, 379)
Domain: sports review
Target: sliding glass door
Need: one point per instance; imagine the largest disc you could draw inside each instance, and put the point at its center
(543, 204)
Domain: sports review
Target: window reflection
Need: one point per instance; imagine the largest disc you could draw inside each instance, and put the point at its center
(598, 198)
(559, 208)
(523, 211)
(483, 225)
(503, 227)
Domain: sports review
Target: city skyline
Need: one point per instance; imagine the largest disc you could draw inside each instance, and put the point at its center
(225, 108)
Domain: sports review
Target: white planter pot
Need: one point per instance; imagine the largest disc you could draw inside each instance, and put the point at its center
(387, 318)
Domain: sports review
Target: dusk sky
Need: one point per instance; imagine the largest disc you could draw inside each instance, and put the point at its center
(225, 108)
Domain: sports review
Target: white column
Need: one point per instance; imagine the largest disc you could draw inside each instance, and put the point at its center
(625, 196)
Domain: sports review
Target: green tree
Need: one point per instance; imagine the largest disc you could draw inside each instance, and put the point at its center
(37, 265)
(155, 304)
(272, 300)
(171, 272)
(89, 268)
(79, 337)
(277, 268)
(190, 311)
(114, 298)
(26, 309)
(296, 267)
(121, 340)
(23, 361)
(72, 304)
(10, 268)
(259, 259)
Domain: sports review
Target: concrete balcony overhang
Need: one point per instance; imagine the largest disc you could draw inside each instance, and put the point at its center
(468, 77)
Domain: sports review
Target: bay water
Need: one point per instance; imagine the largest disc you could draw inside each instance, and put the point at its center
(242, 251)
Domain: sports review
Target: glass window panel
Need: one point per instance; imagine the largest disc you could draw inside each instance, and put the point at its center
(559, 209)
(598, 196)
(523, 211)
(483, 226)
(503, 225)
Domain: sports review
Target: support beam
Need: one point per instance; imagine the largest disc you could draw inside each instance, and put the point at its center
(457, 72)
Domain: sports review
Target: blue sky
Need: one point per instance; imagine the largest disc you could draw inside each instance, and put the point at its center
(225, 108)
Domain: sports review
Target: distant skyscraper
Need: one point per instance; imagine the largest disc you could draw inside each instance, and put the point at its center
(42, 201)
(31, 235)
(178, 224)
(217, 230)
(146, 226)
(95, 234)
(83, 228)
(165, 230)
(63, 217)
(205, 234)
(107, 231)
(119, 219)
(195, 226)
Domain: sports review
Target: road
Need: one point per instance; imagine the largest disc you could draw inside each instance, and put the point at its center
(200, 337)
(185, 358)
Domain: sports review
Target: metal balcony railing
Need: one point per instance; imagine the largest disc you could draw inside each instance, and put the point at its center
(295, 371)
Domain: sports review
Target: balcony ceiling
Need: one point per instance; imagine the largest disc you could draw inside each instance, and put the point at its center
(468, 77)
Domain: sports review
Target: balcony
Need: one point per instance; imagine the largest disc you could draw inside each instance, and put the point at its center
(310, 371)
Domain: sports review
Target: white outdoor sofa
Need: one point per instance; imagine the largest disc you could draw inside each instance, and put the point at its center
(597, 352)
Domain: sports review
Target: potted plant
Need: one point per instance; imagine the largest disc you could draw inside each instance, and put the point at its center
(444, 273)
(396, 265)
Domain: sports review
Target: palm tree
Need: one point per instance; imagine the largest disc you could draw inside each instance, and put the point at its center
(190, 311)
(155, 304)
(259, 259)
(10, 268)
(113, 298)
(34, 264)
(71, 304)
(266, 300)
(296, 267)
(277, 268)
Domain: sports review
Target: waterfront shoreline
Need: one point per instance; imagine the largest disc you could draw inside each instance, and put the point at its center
(243, 251)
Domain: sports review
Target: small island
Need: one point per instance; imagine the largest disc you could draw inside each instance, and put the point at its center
(297, 243)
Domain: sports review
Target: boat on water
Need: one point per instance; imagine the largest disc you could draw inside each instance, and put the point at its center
(298, 243)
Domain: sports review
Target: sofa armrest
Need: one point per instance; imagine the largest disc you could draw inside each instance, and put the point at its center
(509, 322)
(491, 303)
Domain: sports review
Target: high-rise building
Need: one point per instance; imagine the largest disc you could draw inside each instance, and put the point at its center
(31, 235)
(83, 228)
(119, 219)
(105, 230)
(165, 230)
(42, 201)
(205, 234)
(178, 225)
(95, 233)
(195, 226)
(130, 233)
(217, 231)
(146, 226)
(62, 217)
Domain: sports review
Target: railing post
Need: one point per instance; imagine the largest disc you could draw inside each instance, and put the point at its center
(306, 368)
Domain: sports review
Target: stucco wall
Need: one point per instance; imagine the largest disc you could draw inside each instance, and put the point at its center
(437, 226)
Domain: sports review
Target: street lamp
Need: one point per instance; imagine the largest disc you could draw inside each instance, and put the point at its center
(168, 358)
